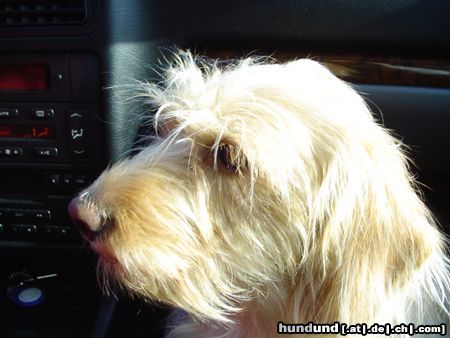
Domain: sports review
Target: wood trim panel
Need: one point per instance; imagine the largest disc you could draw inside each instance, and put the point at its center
(366, 70)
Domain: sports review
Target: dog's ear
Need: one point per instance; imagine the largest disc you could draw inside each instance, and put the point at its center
(376, 234)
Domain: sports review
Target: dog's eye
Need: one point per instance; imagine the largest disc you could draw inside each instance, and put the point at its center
(230, 159)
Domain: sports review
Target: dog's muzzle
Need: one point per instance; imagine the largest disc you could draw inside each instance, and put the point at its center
(89, 221)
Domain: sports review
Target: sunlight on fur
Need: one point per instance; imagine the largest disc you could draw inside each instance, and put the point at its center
(269, 194)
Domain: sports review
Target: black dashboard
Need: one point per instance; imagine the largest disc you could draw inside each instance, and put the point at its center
(64, 116)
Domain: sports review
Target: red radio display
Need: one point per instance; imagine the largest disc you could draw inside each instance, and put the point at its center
(24, 77)
(27, 132)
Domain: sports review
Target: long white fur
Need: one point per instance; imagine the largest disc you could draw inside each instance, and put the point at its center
(323, 222)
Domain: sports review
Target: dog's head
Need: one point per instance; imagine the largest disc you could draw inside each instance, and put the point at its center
(264, 179)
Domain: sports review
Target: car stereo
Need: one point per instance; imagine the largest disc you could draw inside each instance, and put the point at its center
(51, 141)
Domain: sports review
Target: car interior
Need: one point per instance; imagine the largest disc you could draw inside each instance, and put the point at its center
(67, 70)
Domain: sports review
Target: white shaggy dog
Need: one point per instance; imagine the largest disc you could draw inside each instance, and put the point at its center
(271, 195)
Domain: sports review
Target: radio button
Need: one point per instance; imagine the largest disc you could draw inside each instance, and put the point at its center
(5, 213)
(46, 151)
(50, 230)
(30, 229)
(53, 179)
(77, 131)
(78, 153)
(23, 228)
(80, 180)
(40, 214)
(64, 231)
(17, 213)
(43, 113)
(15, 228)
(11, 151)
(57, 230)
(67, 179)
(8, 113)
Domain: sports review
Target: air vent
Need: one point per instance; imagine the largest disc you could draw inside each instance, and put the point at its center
(14, 13)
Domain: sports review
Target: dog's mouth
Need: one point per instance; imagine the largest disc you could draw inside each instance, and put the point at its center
(103, 251)
(96, 239)
(97, 243)
(94, 236)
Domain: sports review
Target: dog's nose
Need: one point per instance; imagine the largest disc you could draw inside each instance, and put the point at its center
(89, 222)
